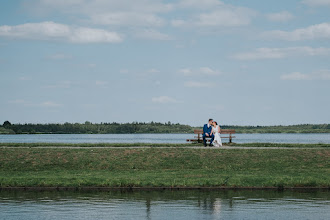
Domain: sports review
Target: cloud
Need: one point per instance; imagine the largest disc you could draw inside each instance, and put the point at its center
(316, 2)
(225, 17)
(62, 85)
(197, 4)
(217, 14)
(153, 70)
(88, 7)
(18, 101)
(313, 32)
(123, 71)
(124, 13)
(24, 78)
(152, 35)
(280, 16)
(60, 56)
(164, 100)
(319, 75)
(203, 71)
(194, 84)
(128, 19)
(50, 104)
(280, 53)
(59, 32)
(102, 84)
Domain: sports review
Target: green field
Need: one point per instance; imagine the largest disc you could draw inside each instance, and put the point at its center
(186, 145)
(164, 167)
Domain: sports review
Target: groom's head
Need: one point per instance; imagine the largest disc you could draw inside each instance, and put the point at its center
(210, 121)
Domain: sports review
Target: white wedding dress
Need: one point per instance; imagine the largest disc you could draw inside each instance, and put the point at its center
(217, 139)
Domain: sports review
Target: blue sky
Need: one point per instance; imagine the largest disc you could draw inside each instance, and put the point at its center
(240, 62)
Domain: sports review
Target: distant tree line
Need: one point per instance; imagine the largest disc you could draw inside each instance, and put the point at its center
(101, 128)
(151, 127)
(302, 128)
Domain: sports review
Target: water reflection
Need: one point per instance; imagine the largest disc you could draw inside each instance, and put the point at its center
(164, 205)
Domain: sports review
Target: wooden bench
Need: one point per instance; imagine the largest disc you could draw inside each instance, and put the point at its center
(199, 138)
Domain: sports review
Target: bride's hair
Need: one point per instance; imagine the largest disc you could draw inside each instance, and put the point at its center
(215, 122)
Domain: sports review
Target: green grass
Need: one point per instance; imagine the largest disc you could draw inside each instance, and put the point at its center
(6, 131)
(319, 145)
(168, 167)
(94, 145)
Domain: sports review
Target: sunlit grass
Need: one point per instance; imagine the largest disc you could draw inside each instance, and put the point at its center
(171, 167)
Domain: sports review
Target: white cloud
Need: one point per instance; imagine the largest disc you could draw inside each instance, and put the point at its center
(91, 65)
(279, 53)
(317, 2)
(280, 16)
(102, 84)
(178, 23)
(128, 19)
(100, 6)
(24, 78)
(125, 13)
(153, 70)
(203, 71)
(164, 100)
(317, 31)
(186, 71)
(59, 32)
(123, 71)
(17, 101)
(62, 85)
(226, 17)
(197, 4)
(217, 14)
(318, 75)
(152, 35)
(50, 104)
(60, 56)
(195, 84)
(208, 71)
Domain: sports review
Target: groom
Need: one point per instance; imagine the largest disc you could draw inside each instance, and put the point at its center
(207, 129)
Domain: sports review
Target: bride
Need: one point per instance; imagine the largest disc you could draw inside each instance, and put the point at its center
(216, 131)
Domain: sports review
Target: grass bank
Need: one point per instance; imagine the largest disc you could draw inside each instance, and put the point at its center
(125, 145)
(164, 167)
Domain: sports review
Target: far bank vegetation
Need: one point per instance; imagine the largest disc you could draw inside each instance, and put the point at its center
(145, 128)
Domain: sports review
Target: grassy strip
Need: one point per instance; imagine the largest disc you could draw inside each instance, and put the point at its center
(94, 145)
(171, 167)
(320, 145)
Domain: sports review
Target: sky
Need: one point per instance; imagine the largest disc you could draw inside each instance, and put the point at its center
(239, 62)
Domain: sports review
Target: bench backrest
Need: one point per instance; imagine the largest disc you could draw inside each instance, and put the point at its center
(222, 131)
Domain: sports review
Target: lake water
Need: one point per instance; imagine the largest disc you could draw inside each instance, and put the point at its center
(28, 205)
(159, 138)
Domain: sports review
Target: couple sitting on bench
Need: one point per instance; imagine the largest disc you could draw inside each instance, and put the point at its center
(212, 130)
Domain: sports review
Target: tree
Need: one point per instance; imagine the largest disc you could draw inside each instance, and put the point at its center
(6, 124)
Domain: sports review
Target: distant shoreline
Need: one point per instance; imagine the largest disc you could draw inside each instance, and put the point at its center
(150, 128)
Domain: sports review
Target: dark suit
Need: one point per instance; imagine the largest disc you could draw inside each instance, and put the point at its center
(207, 130)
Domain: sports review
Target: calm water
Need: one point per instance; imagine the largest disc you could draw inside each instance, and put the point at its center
(190, 205)
(158, 138)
